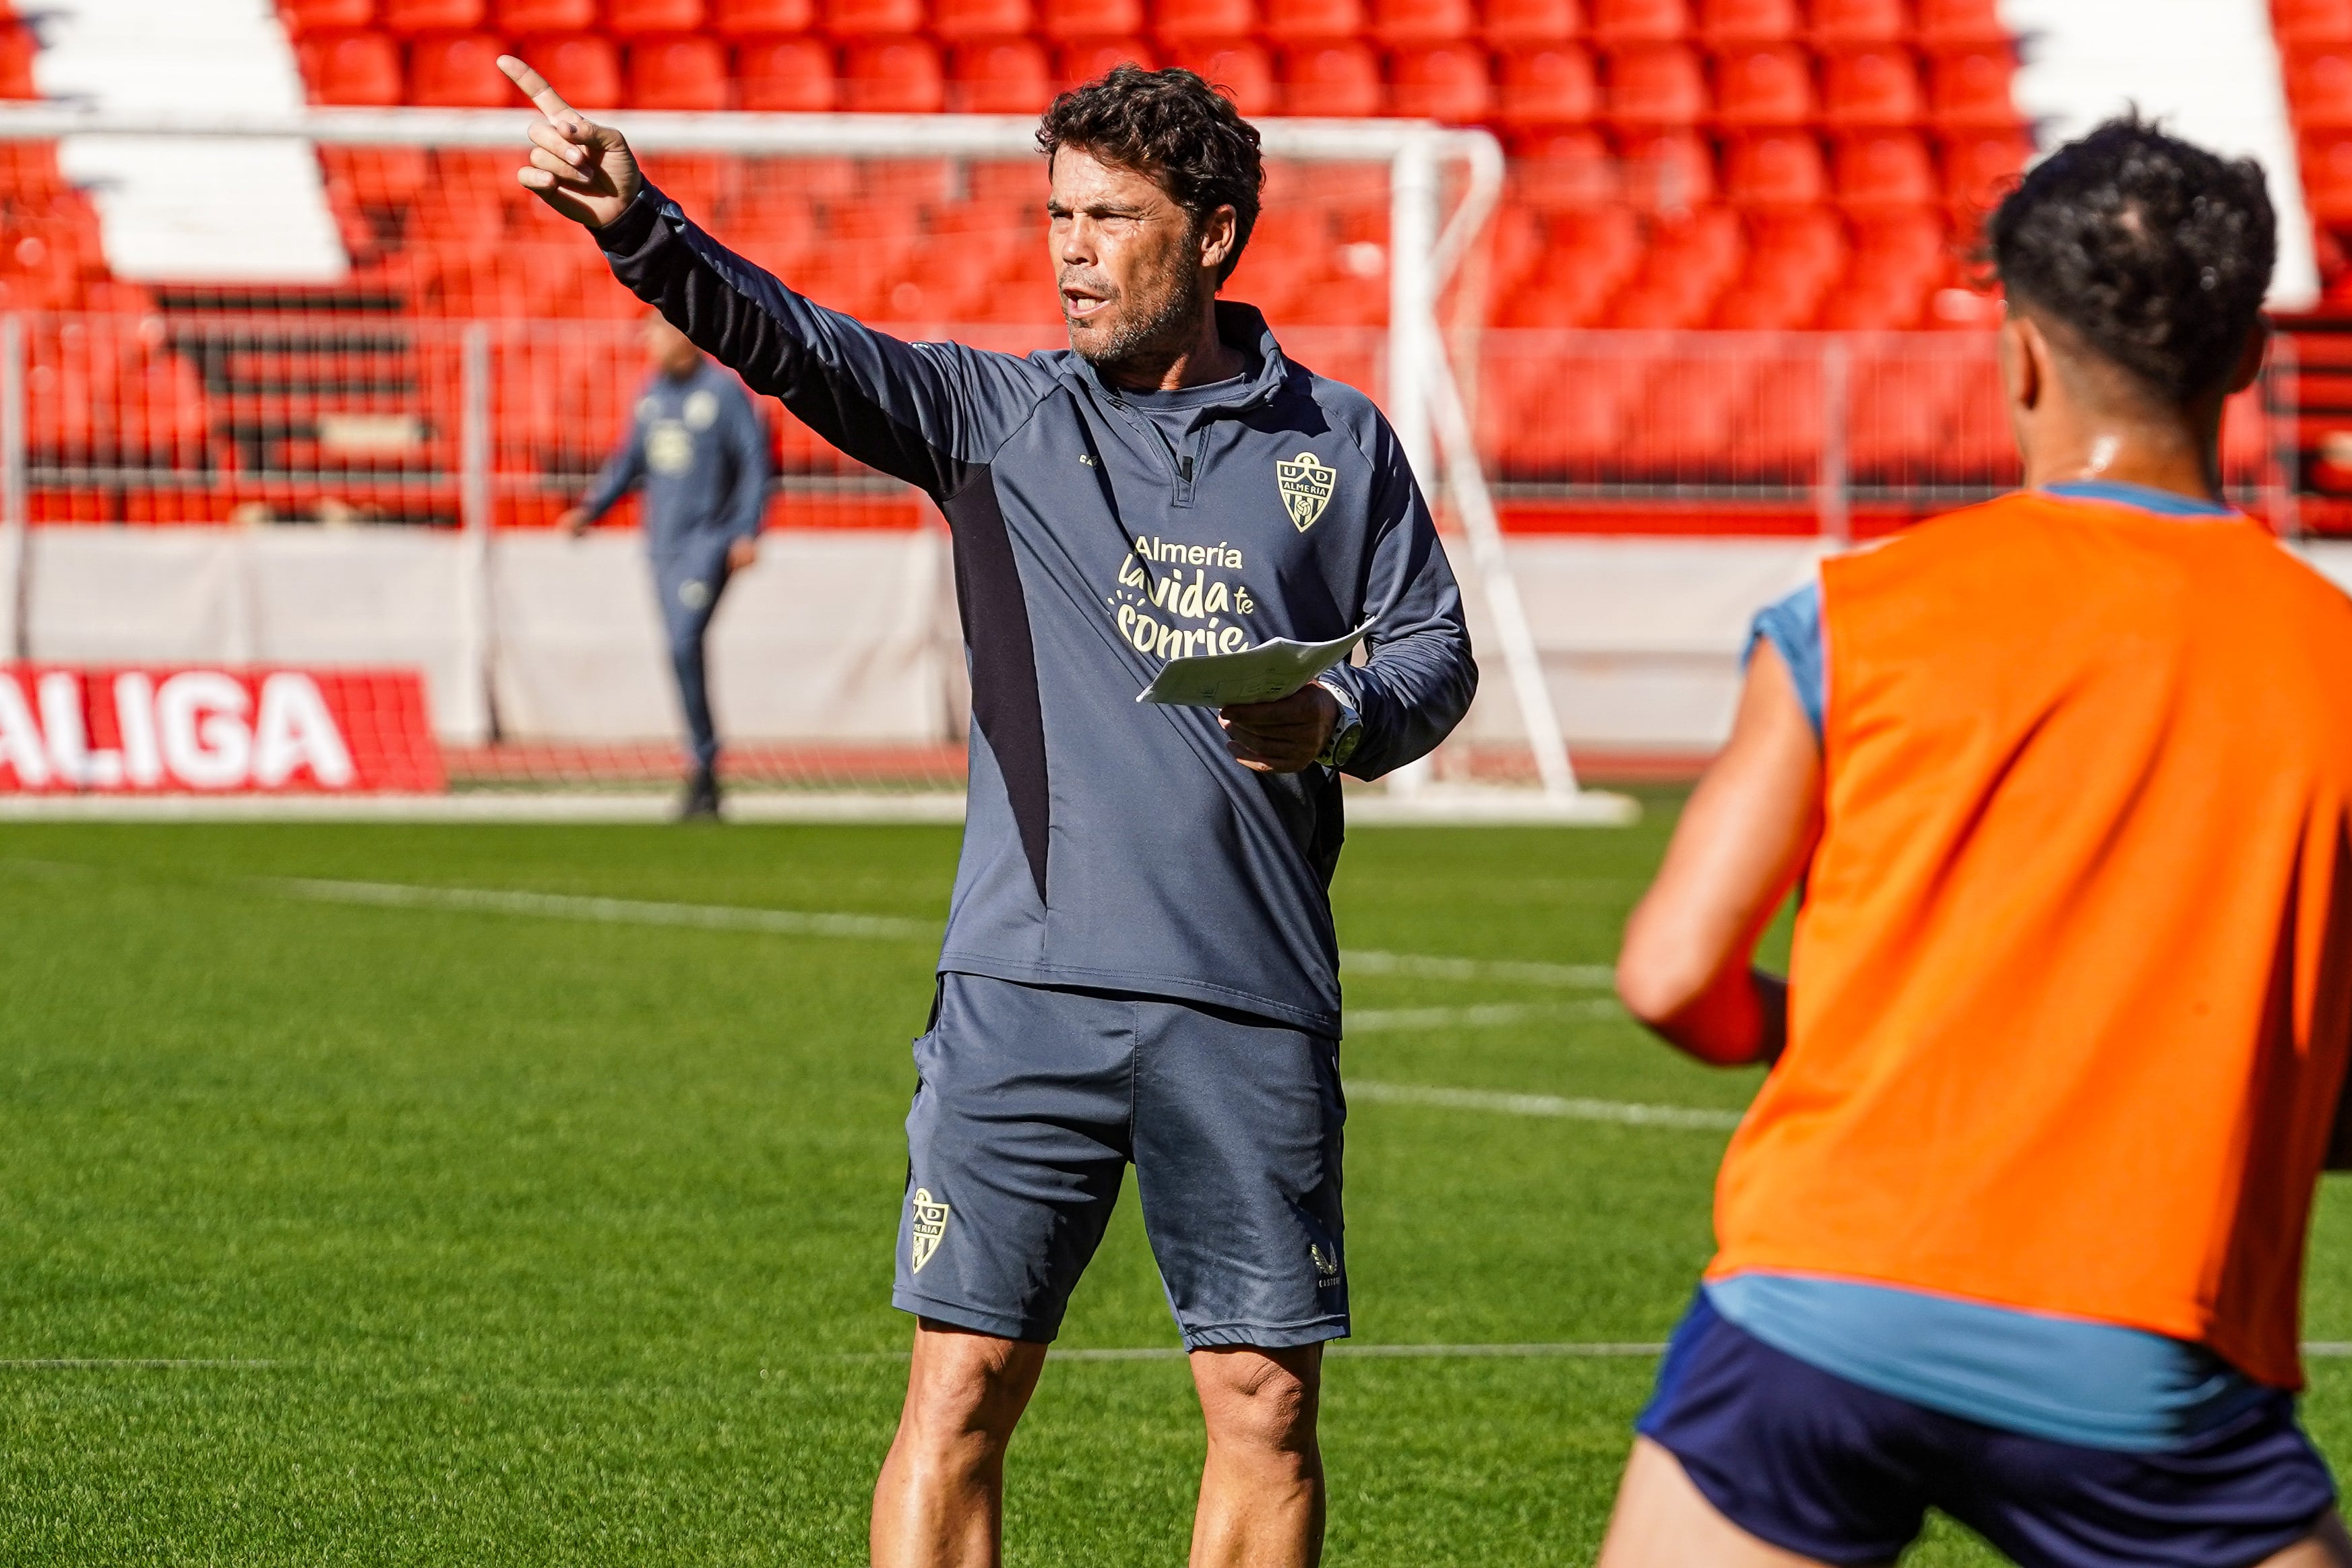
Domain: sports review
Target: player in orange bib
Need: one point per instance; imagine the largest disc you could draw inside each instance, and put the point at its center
(2015, 1227)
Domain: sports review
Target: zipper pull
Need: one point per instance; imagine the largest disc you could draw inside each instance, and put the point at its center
(1184, 466)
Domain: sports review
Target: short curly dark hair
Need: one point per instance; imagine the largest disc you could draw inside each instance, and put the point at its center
(2154, 251)
(1173, 128)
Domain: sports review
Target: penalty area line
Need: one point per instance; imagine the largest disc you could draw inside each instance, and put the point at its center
(130, 1364)
(1576, 1110)
(605, 911)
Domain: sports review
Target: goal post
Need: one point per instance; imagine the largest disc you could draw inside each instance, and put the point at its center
(1442, 185)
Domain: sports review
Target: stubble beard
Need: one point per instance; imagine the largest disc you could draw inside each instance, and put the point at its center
(1151, 338)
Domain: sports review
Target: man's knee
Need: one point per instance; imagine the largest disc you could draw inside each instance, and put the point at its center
(1260, 1400)
(967, 1390)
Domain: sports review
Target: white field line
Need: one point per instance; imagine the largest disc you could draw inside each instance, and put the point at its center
(1624, 1113)
(1424, 967)
(1593, 1350)
(1491, 1014)
(609, 911)
(882, 927)
(134, 1364)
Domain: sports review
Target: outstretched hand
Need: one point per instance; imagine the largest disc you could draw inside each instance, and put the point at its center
(583, 169)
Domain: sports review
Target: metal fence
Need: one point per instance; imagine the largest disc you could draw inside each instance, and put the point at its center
(349, 418)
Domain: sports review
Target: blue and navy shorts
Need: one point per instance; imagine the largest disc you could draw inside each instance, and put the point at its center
(1843, 1474)
(1031, 1102)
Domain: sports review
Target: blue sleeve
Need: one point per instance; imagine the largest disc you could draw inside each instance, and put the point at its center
(747, 448)
(620, 475)
(924, 413)
(1793, 626)
(1419, 677)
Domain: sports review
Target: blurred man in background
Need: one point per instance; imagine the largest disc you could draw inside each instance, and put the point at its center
(2015, 1227)
(699, 451)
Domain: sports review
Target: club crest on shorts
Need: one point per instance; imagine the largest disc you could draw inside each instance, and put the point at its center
(1306, 485)
(931, 1229)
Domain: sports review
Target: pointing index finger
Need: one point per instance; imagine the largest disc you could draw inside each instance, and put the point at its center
(534, 86)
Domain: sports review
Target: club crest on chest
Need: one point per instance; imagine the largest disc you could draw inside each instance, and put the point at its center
(1305, 484)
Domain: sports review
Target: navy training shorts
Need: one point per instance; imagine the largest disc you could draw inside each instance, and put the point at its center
(1819, 1466)
(1030, 1102)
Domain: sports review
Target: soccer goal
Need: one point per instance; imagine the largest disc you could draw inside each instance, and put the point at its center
(475, 365)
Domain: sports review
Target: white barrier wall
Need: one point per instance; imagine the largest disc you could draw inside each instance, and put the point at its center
(832, 637)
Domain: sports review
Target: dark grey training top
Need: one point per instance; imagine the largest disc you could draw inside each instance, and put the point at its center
(697, 446)
(1109, 842)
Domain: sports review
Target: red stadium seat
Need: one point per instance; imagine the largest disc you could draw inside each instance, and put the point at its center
(458, 71)
(1449, 82)
(585, 67)
(2319, 87)
(2327, 177)
(1770, 86)
(678, 73)
(2301, 22)
(1237, 66)
(649, 18)
(961, 19)
(1087, 19)
(353, 67)
(1313, 21)
(786, 75)
(1586, 256)
(1657, 84)
(1942, 23)
(432, 15)
(1564, 168)
(1085, 60)
(17, 48)
(1335, 81)
(306, 17)
(1396, 22)
(1670, 170)
(893, 76)
(1728, 23)
(535, 18)
(1001, 76)
(1980, 167)
(1885, 169)
(1792, 260)
(1639, 21)
(1774, 169)
(1870, 86)
(1531, 21)
(873, 18)
(1690, 261)
(762, 18)
(1970, 88)
(1548, 84)
(1837, 22)
(1900, 258)
(1193, 19)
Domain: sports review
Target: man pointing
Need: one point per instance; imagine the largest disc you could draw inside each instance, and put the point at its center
(1139, 962)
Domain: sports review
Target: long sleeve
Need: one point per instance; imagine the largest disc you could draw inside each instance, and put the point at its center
(1419, 678)
(923, 413)
(622, 472)
(747, 450)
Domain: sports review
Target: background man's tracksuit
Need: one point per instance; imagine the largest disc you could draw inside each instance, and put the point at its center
(697, 447)
(1112, 846)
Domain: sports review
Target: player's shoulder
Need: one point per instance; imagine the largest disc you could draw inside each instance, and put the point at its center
(1346, 408)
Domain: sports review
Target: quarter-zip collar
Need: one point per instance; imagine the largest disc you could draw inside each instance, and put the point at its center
(1242, 327)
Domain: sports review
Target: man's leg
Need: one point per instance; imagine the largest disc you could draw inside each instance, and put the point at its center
(689, 596)
(1262, 1489)
(1661, 1520)
(940, 1500)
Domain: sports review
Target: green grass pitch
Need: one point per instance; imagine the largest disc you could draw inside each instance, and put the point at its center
(498, 1238)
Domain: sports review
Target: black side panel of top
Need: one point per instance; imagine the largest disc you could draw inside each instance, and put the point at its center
(1004, 658)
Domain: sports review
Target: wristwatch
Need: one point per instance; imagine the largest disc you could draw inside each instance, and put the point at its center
(1345, 735)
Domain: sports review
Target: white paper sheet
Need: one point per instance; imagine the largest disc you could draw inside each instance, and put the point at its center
(1273, 669)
